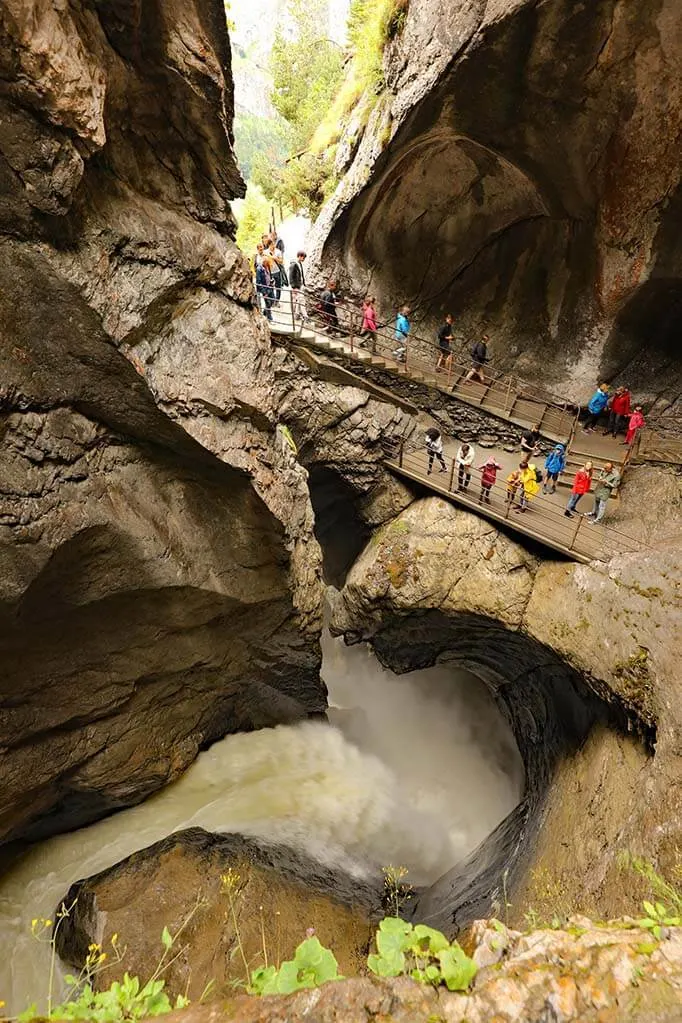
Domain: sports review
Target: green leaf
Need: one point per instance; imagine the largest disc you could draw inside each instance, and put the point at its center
(428, 938)
(433, 973)
(181, 1002)
(287, 978)
(387, 966)
(457, 968)
(261, 978)
(648, 908)
(318, 962)
(166, 938)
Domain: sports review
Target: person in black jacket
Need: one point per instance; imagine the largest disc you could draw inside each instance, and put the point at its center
(479, 357)
(297, 284)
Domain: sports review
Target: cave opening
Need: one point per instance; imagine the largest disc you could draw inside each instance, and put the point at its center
(340, 531)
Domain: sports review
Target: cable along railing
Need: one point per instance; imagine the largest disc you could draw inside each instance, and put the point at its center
(544, 519)
(501, 394)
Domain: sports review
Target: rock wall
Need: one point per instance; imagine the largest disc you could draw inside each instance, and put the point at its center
(583, 660)
(522, 170)
(161, 580)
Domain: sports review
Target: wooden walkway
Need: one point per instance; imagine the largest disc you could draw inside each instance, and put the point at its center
(544, 520)
(499, 396)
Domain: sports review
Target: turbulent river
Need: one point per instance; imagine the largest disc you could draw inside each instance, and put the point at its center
(413, 770)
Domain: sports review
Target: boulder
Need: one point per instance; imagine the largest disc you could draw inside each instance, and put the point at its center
(275, 894)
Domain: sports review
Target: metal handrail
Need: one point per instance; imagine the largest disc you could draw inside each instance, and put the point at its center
(565, 530)
(525, 390)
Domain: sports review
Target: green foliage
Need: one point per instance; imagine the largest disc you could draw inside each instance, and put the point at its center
(303, 183)
(658, 916)
(253, 217)
(422, 953)
(313, 964)
(123, 1000)
(265, 137)
(661, 889)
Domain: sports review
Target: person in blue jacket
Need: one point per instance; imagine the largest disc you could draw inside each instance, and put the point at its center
(555, 463)
(596, 406)
(402, 329)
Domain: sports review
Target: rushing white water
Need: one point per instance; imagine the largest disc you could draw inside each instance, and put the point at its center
(415, 770)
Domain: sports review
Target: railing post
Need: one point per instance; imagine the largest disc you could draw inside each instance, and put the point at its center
(352, 334)
(293, 317)
(506, 400)
(400, 455)
(452, 477)
(577, 530)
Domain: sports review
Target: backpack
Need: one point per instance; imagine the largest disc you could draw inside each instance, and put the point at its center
(538, 476)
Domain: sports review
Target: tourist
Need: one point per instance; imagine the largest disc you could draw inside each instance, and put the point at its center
(635, 424)
(368, 329)
(489, 471)
(581, 485)
(445, 339)
(297, 282)
(528, 484)
(555, 463)
(607, 481)
(434, 447)
(619, 411)
(279, 244)
(529, 441)
(266, 240)
(464, 460)
(402, 329)
(264, 285)
(479, 357)
(279, 278)
(513, 484)
(258, 258)
(596, 406)
(328, 304)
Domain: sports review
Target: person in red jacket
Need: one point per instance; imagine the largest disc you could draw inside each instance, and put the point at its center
(635, 425)
(619, 411)
(488, 471)
(581, 485)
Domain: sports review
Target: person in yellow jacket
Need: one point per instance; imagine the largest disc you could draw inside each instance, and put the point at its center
(529, 486)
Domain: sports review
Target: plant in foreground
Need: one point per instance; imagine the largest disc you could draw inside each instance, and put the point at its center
(422, 953)
(312, 964)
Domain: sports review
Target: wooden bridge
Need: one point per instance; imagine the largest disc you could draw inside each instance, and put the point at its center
(522, 405)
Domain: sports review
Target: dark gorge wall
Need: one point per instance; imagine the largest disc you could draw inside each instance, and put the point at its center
(522, 169)
(156, 589)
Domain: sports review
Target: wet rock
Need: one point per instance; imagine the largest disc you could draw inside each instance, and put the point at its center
(556, 229)
(277, 896)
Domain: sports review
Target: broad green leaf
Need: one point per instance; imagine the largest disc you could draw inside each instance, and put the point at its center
(432, 973)
(384, 966)
(166, 938)
(287, 978)
(457, 968)
(428, 938)
(648, 908)
(260, 979)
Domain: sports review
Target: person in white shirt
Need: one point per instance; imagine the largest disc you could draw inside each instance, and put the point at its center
(434, 447)
(464, 460)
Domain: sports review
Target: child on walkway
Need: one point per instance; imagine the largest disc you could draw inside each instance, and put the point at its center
(555, 463)
(635, 424)
(489, 471)
(369, 322)
(581, 485)
(513, 484)
(434, 446)
(464, 461)
(529, 485)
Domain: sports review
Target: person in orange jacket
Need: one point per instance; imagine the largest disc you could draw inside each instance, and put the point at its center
(581, 485)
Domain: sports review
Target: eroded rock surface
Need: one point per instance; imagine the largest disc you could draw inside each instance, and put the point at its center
(439, 584)
(277, 895)
(522, 169)
(587, 973)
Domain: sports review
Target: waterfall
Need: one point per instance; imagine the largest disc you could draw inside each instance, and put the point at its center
(412, 770)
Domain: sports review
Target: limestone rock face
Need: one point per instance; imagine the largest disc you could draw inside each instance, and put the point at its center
(522, 169)
(439, 584)
(593, 974)
(161, 579)
(275, 892)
